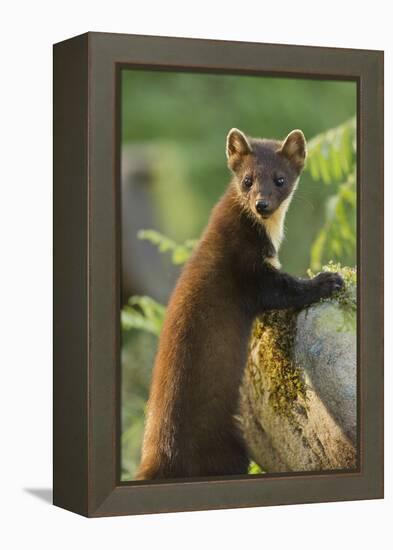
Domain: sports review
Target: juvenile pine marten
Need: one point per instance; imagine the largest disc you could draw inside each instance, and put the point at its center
(233, 275)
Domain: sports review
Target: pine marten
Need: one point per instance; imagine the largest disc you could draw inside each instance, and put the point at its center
(232, 276)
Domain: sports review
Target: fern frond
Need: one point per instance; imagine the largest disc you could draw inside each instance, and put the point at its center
(332, 154)
(180, 252)
(143, 313)
(338, 234)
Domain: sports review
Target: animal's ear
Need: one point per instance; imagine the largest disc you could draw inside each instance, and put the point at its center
(237, 147)
(294, 148)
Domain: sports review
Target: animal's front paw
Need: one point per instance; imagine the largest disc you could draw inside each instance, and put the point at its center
(328, 283)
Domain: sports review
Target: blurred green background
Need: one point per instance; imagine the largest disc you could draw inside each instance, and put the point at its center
(174, 127)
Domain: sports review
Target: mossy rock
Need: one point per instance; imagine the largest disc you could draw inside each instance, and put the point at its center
(298, 398)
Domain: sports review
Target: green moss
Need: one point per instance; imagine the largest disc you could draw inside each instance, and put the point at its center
(346, 297)
(273, 339)
(275, 332)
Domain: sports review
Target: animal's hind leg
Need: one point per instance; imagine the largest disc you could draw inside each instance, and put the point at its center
(230, 459)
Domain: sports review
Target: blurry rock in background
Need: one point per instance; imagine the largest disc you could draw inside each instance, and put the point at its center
(144, 272)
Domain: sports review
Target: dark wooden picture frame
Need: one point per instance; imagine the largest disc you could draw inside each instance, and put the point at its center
(87, 273)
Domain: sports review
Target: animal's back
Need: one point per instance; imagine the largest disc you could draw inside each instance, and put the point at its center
(191, 429)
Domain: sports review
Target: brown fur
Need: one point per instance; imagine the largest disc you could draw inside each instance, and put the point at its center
(191, 428)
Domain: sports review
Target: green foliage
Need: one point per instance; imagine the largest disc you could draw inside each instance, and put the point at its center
(332, 159)
(138, 349)
(254, 468)
(332, 154)
(180, 252)
(143, 313)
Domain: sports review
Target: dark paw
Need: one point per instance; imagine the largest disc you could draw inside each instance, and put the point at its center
(328, 283)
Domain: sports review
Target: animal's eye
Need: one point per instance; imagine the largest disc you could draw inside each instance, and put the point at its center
(279, 181)
(247, 182)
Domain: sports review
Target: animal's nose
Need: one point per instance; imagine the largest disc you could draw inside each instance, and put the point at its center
(261, 206)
